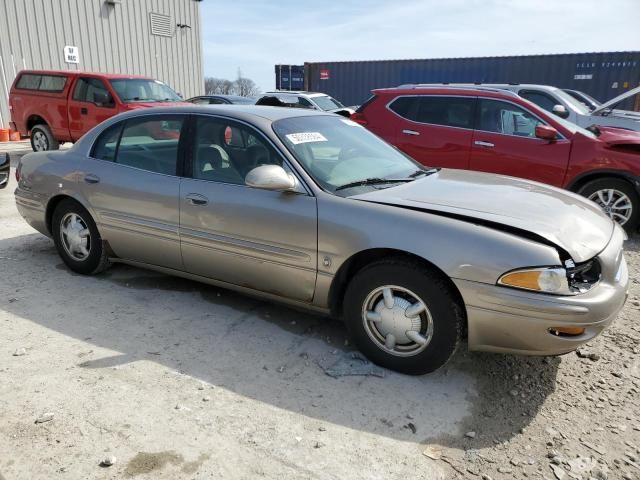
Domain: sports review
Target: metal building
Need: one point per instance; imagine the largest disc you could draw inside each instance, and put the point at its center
(155, 38)
(602, 75)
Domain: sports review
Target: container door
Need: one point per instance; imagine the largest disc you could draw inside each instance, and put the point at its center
(504, 142)
(90, 104)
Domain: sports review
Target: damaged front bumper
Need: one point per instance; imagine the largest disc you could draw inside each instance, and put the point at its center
(514, 321)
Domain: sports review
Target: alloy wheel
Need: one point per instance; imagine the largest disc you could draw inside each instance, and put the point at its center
(40, 141)
(616, 204)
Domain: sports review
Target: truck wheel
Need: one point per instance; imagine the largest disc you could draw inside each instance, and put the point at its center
(42, 139)
(617, 198)
(403, 316)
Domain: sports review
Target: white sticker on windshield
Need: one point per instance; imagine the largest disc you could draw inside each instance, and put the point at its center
(306, 137)
(351, 123)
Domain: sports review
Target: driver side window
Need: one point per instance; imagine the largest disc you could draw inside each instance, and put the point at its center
(92, 90)
(225, 151)
(505, 118)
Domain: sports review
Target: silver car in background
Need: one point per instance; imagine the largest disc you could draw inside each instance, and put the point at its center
(312, 209)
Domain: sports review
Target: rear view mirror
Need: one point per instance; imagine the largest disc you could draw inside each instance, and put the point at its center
(560, 110)
(545, 132)
(5, 161)
(270, 177)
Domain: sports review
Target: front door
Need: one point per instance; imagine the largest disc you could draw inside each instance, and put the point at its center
(504, 142)
(435, 130)
(130, 180)
(264, 240)
(90, 104)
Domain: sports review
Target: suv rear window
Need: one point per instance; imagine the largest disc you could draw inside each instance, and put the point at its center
(45, 83)
(436, 110)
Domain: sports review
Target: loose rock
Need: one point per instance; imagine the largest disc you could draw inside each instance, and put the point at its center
(46, 417)
(20, 352)
(108, 461)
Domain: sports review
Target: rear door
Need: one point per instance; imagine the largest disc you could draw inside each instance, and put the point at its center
(504, 142)
(131, 182)
(90, 103)
(260, 239)
(435, 130)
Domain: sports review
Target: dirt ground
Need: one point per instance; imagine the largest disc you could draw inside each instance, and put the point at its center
(175, 379)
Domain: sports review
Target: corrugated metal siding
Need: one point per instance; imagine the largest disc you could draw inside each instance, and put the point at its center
(351, 82)
(110, 38)
(289, 77)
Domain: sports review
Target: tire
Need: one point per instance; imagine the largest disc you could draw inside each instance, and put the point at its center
(598, 191)
(72, 218)
(42, 139)
(410, 282)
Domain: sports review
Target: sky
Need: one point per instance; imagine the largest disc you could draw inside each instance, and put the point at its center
(255, 35)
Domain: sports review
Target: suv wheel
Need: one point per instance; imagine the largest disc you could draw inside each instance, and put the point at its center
(617, 198)
(77, 239)
(403, 316)
(42, 139)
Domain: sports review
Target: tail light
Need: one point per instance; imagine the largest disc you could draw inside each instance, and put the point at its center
(359, 118)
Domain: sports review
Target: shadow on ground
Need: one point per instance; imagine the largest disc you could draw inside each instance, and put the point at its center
(266, 352)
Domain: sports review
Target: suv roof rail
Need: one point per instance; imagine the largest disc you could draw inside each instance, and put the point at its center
(459, 86)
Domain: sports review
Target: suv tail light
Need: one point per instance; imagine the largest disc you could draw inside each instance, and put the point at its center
(359, 118)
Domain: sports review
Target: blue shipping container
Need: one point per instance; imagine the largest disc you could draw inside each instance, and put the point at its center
(601, 75)
(289, 77)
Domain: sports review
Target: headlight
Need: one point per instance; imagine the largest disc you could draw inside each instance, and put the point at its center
(548, 280)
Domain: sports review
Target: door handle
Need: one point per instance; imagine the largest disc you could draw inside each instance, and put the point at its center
(197, 199)
(484, 144)
(84, 111)
(410, 132)
(91, 178)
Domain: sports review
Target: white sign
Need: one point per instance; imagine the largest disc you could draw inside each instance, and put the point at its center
(306, 137)
(71, 54)
(588, 76)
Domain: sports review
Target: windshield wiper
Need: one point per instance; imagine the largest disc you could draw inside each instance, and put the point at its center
(373, 181)
(423, 172)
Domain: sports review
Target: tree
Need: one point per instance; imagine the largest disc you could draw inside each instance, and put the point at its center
(245, 86)
(221, 86)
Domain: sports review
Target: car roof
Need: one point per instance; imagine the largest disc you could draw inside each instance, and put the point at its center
(297, 92)
(241, 112)
(72, 73)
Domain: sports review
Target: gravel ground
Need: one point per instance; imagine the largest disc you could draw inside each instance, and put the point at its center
(132, 374)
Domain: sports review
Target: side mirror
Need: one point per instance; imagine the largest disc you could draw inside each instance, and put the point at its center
(545, 132)
(270, 177)
(560, 110)
(5, 162)
(102, 99)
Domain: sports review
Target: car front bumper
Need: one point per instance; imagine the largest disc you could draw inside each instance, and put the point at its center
(508, 320)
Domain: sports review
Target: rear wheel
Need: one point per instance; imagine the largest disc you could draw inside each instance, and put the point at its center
(617, 198)
(403, 316)
(77, 239)
(42, 139)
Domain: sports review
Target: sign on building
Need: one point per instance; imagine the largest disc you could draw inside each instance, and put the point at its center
(71, 54)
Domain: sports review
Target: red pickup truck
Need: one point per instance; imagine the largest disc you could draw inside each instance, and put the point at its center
(60, 106)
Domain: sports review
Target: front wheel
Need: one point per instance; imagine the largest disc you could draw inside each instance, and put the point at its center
(617, 198)
(77, 239)
(403, 316)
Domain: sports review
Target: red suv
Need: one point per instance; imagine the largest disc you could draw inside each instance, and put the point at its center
(61, 106)
(499, 132)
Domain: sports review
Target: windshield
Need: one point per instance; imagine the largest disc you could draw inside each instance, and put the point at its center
(243, 100)
(132, 90)
(327, 103)
(337, 152)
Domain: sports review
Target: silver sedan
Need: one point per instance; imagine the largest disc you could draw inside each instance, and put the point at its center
(312, 209)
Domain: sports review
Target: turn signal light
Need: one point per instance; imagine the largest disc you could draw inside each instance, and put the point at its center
(569, 331)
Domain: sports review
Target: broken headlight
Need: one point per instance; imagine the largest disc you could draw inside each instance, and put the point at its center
(573, 280)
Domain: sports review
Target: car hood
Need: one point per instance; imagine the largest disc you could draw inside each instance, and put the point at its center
(618, 136)
(611, 103)
(534, 210)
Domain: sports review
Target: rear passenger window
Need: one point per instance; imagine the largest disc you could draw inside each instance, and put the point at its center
(48, 83)
(446, 111)
(107, 143)
(151, 144)
(405, 107)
